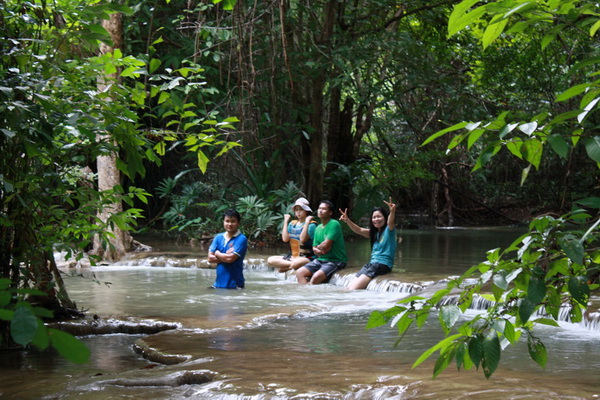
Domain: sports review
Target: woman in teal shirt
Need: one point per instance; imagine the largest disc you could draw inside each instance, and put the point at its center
(382, 231)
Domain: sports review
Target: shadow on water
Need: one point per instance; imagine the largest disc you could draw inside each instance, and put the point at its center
(279, 340)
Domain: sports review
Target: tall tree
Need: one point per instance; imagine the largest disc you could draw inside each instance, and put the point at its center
(120, 241)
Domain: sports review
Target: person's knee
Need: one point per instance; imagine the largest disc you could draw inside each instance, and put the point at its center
(318, 277)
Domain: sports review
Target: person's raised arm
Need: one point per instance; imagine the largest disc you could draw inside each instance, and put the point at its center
(285, 235)
(304, 236)
(391, 222)
(355, 228)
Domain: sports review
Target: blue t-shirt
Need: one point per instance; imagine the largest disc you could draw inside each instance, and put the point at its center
(230, 275)
(384, 248)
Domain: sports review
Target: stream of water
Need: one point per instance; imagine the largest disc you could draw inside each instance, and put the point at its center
(279, 340)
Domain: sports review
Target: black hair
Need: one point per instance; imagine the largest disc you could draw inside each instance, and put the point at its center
(232, 213)
(374, 231)
(329, 204)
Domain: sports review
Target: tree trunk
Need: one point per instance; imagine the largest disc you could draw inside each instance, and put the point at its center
(315, 178)
(109, 175)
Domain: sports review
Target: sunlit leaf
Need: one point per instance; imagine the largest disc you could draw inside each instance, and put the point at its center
(449, 314)
(493, 31)
(438, 134)
(528, 128)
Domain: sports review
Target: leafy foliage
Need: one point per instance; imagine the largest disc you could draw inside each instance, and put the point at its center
(27, 326)
(553, 266)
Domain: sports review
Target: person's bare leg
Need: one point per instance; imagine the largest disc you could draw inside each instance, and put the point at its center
(360, 282)
(279, 262)
(318, 277)
(303, 275)
(299, 262)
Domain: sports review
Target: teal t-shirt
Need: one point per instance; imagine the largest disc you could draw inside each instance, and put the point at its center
(331, 231)
(384, 248)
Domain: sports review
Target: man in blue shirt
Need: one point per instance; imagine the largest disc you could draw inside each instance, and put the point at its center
(228, 250)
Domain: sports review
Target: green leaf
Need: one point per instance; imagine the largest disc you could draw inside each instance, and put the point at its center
(24, 325)
(526, 309)
(154, 64)
(509, 332)
(6, 315)
(476, 350)
(592, 147)
(579, 289)
(443, 361)
(559, 145)
(375, 319)
(500, 281)
(459, 18)
(572, 92)
(448, 316)
(536, 291)
(438, 134)
(493, 31)
(439, 346)
(572, 248)
(537, 350)
(41, 339)
(68, 346)
(491, 354)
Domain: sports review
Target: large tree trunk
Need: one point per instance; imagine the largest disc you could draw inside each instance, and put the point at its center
(314, 180)
(109, 175)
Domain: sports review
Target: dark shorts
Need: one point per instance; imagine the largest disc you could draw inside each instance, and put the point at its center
(328, 267)
(374, 269)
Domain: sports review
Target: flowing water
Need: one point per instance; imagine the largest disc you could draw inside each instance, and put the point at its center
(279, 340)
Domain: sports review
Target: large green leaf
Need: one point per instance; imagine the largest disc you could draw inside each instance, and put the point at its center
(23, 325)
(592, 147)
(491, 354)
(537, 350)
(573, 248)
(536, 290)
(68, 346)
(448, 316)
(526, 309)
(559, 145)
(579, 289)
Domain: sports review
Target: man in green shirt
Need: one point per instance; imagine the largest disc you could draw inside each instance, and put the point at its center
(328, 245)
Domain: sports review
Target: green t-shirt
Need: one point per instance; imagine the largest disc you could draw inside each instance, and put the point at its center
(332, 231)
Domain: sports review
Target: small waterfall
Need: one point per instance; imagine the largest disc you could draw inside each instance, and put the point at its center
(478, 302)
(378, 284)
(590, 320)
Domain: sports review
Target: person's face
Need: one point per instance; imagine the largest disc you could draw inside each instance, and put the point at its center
(231, 224)
(300, 213)
(324, 212)
(378, 219)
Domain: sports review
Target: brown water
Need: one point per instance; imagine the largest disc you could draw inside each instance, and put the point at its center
(278, 340)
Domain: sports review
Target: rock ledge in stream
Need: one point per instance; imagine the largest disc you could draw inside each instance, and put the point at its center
(174, 379)
(151, 354)
(98, 326)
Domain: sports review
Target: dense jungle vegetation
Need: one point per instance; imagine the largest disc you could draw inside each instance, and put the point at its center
(464, 112)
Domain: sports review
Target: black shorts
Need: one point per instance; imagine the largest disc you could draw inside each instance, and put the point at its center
(374, 269)
(329, 267)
